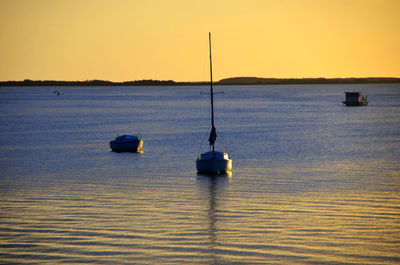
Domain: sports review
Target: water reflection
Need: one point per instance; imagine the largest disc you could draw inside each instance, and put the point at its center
(213, 186)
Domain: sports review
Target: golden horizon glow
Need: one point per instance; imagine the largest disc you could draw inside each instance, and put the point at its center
(126, 40)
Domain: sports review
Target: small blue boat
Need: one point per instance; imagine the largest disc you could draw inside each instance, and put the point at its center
(127, 143)
(214, 162)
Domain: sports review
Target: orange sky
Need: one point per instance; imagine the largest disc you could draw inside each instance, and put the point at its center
(120, 40)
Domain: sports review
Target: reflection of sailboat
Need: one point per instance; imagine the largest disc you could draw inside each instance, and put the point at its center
(212, 213)
(212, 187)
(213, 162)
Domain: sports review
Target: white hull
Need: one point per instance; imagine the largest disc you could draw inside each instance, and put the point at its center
(126, 146)
(214, 166)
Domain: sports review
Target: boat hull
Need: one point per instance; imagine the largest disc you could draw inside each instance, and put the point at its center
(214, 166)
(126, 146)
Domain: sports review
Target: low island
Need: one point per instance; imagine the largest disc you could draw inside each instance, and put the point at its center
(226, 81)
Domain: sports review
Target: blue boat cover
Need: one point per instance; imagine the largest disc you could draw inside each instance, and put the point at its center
(218, 155)
(126, 138)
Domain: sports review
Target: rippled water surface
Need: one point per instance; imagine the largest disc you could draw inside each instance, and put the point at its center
(313, 182)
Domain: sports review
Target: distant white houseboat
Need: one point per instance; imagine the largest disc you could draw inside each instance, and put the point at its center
(127, 143)
(356, 99)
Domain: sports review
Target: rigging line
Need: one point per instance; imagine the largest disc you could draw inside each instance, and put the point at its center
(223, 140)
(202, 141)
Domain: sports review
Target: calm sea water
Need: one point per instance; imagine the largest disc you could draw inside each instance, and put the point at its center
(313, 182)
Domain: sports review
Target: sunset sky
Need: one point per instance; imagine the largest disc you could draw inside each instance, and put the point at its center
(121, 40)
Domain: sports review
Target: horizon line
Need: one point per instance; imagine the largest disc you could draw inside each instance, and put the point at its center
(227, 81)
(223, 79)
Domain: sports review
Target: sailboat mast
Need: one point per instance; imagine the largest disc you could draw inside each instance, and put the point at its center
(211, 88)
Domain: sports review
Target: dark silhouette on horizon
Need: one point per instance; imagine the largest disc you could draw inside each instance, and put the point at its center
(299, 81)
(226, 81)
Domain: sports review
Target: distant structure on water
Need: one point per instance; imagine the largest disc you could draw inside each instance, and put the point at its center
(356, 99)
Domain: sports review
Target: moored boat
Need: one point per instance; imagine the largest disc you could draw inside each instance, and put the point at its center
(213, 162)
(356, 99)
(127, 143)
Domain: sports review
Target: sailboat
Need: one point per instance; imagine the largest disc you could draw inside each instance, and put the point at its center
(213, 162)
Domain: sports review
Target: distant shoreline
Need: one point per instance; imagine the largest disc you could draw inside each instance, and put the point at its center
(227, 81)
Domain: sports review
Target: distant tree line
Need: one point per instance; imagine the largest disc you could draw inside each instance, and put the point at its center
(226, 81)
(290, 81)
(28, 82)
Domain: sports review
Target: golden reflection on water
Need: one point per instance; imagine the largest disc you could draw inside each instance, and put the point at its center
(209, 220)
(357, 226)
